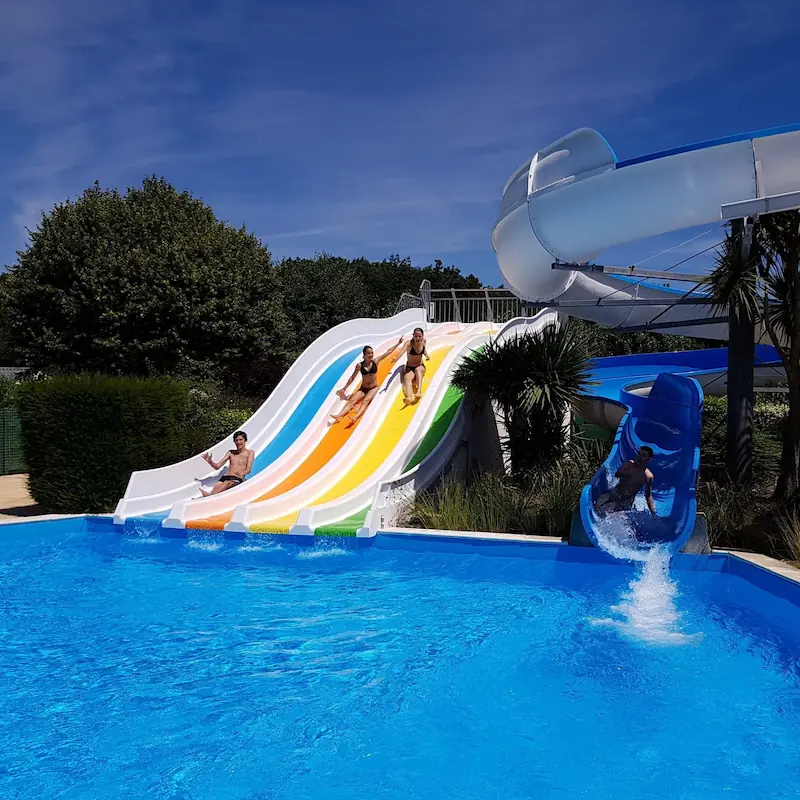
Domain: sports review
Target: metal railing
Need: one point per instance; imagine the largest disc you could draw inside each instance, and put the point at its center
(467, 305)
(12, 372)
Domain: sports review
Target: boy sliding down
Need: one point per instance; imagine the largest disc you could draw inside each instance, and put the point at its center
(632, 476)
(239, 461)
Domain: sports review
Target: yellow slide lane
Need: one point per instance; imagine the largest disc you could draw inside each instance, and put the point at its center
(386, 438)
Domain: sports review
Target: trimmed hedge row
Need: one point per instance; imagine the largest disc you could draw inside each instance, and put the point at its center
(84, 435)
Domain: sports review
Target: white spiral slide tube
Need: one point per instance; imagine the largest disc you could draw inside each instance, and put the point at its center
(574, 200)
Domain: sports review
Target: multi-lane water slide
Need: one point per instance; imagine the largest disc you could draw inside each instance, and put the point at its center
(575, 199)
(310, 476)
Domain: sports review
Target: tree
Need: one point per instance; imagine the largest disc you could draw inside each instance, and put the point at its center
(144, 283)
(767, 285)
(533, 380)
(323, 291)
(6, 352)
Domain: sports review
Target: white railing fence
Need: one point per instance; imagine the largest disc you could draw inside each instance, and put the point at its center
(467, 305)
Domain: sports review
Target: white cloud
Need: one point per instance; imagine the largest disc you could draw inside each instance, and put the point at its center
(408, 152)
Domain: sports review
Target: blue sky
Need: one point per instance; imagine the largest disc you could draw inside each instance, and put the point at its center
(368, 128)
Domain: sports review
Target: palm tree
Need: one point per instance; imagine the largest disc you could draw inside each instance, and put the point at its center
(532, 379)
(767, 286)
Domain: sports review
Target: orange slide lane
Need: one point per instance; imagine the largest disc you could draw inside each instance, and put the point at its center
(333, 441)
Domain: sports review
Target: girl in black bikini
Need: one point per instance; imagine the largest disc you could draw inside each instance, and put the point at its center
(414, 372)
(369, 384)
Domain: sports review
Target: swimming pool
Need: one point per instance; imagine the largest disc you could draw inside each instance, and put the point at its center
(139, 667)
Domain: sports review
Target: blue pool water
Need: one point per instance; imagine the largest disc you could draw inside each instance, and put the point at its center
(132, 667)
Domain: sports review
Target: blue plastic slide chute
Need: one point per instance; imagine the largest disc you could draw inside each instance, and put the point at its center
(669, 420)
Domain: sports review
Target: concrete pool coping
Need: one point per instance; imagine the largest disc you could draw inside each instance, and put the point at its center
(773, 576)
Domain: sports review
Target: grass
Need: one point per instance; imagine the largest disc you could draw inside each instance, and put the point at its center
(540, 503)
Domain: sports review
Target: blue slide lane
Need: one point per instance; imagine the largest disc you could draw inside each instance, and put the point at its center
(301, 417)
(669, 420)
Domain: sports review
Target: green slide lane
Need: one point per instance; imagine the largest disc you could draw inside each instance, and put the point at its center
(441, 422)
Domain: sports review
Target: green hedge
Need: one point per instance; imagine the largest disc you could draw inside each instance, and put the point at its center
(212, 425)
(84, 435)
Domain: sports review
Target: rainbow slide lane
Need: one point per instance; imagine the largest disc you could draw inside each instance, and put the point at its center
(279, 429)
(382, 426)
(435, 436)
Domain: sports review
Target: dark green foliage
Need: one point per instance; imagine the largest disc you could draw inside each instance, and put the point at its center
(326, 290)
(84, 435)
(769, 416)
(540, 502)
(143, 283)
(602, 341)
(8, 392)
(767, 286)
(533, 379)
(213, 414)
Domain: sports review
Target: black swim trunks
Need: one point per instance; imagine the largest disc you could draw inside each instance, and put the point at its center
(234, 479)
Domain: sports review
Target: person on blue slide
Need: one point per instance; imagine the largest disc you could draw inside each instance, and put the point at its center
(239, 461)
(414, 372)
(633, 475)
(362, 396)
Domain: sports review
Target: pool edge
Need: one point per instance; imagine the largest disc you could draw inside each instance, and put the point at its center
(776, 577)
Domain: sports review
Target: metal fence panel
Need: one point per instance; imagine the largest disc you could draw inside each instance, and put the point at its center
(11, 458)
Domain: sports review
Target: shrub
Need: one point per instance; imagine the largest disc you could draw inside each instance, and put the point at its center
(84, 435)
(788, 524)
(491, 503)
(8, 392)
(214, 413)
(212, 425)
(541, 502)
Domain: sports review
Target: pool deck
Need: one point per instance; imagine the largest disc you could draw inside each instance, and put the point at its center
(15, 501)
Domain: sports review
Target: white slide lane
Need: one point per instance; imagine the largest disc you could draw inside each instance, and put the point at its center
(574, 200)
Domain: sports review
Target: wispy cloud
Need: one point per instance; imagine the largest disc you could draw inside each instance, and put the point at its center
(328, 126)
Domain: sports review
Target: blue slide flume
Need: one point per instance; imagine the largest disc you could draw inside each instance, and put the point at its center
(669, 420)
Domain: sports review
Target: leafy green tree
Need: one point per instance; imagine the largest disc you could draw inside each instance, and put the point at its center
(323, 291)
(533, 380)
(767, 285)
(144, 283)
(6, 352)
(602, 341)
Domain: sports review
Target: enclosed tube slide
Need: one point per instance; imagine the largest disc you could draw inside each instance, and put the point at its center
(574, 199)
(668, 420)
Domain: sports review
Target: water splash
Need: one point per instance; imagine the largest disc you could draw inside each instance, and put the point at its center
(258, 543)
(143, 530)
(209, 541)
(322, 552)
(647, 611)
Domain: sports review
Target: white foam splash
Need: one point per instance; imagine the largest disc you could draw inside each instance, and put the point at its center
(259, 548)
(208, 545)
(322, 552)
(647, 611)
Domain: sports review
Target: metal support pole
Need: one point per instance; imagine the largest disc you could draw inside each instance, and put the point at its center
(456, 312)
(741, 361)
(490, 316)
